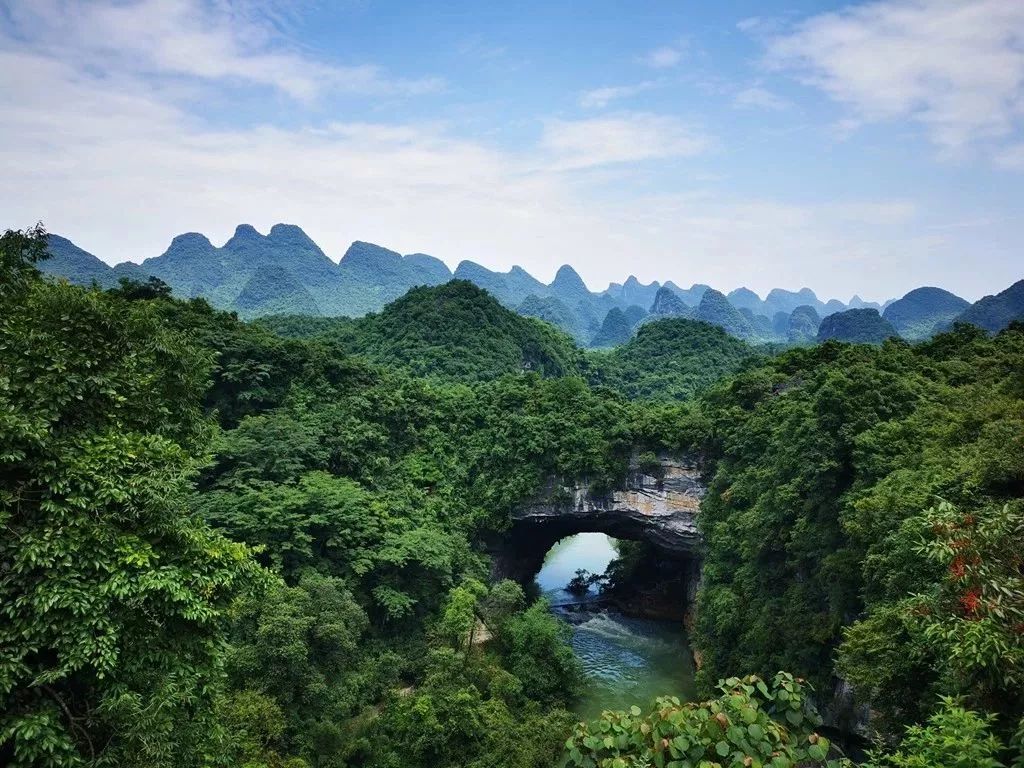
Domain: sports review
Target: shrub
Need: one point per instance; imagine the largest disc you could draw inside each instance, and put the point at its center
(751, 724)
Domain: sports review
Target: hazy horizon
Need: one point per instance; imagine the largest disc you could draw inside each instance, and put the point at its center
(853, 148)
(544, 278)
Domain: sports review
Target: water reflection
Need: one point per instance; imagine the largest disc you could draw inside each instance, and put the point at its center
(627, 660)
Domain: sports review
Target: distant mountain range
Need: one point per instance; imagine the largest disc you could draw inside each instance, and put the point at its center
(285, 272)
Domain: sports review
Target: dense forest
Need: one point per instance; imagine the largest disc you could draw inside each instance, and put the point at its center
(261, 544)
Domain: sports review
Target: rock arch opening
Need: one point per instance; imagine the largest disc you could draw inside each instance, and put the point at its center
(657, 505)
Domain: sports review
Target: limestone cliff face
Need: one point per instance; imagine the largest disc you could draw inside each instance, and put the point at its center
(659, 505)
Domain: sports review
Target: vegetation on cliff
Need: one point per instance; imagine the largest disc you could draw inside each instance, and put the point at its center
(115, 595)
(864, 520)
(924, 312)
(859, 326)
(832, 473)
(144, 436)
(993, 313)
(671, 359)
(226, 546)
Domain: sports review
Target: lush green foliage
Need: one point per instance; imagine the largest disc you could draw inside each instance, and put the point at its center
(305, 651)
(466, 714)
(670, 359)
(860, 326)
(363, 489)
(379, 481)
(965, 634)
(954, 737)
(924, 312)
(481, 704)
(114, 595)
(976, 617)
(458, 330)
(824, 460)
(20, 252)
(224, 546)
(455, 330)
(750, 724)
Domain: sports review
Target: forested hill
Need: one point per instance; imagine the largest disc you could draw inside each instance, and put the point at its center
(671, 359)
(455, 330)
(227, 547)
(223, 546)
(458, 331)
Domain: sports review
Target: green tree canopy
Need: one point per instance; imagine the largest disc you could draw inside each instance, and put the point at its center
(114, 594)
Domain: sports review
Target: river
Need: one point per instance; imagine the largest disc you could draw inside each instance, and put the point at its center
(626, 660)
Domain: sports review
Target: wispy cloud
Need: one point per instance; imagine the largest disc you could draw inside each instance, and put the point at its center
(957, 68)
(476, 47)
(663, 58)
(759, 98)
(598, 98)
(760, 25)
(418, 188)
(99, 129)
(620, 138)
(189, 39)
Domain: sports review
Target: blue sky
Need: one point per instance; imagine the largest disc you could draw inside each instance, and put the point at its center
(854, 148)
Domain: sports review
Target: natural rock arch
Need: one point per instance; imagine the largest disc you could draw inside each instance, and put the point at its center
(659, 506)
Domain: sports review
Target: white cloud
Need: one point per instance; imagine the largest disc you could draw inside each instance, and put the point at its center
(599, 98)
(759, 98)
(621, 138)
(955, 67)
(118, 161)
(662, 58)
(133, 173)
(189, 39)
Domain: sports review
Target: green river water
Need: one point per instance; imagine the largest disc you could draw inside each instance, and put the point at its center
(627, 661)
